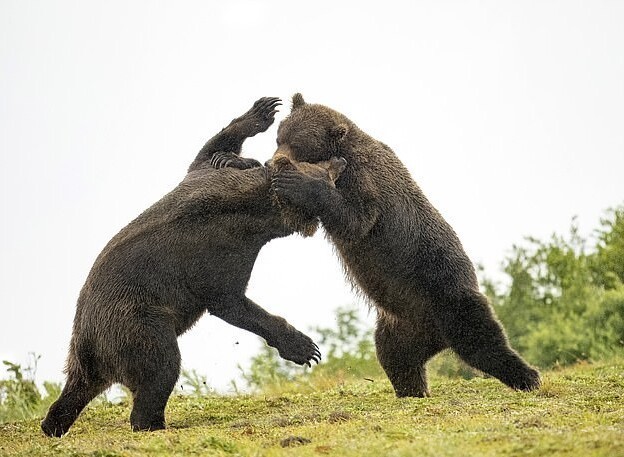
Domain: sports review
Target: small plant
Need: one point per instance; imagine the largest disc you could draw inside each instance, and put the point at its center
(349, 347)
(20, 398)
(193, 383)
(268, 369)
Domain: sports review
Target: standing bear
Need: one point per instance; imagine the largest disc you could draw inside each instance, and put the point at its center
(190, 253)
(398, 249)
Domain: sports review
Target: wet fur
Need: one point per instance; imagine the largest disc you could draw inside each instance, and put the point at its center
(399, 251)
(191, 252)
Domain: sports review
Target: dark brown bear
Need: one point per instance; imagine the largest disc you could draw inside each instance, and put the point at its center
(398, 249)
(191, 252)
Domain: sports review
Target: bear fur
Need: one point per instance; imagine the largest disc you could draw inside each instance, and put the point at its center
(191, 252)
(398, 249)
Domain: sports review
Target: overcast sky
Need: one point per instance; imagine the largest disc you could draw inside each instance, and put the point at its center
(509, 115)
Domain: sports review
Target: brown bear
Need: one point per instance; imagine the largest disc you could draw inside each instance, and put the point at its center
(398, 249)
(191, 252)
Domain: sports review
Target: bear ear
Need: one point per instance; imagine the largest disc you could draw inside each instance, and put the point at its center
(297, 101)
(336, 166)
(338, 132)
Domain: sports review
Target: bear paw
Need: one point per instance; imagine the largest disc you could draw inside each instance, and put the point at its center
(299, 348)
(260, 117)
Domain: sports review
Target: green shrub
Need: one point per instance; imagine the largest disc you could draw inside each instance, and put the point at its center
(565, 301)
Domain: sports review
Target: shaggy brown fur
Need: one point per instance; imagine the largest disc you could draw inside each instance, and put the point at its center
(398, 249)
(191, 252)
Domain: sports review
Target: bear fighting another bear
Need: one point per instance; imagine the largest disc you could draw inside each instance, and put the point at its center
(191, 252)
(397, 249)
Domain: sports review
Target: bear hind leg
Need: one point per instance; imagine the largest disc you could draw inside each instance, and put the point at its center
(403, 349)
(76, 394)
(154, 375)
(478, 338)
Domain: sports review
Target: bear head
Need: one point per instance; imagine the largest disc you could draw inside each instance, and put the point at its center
(312, 133)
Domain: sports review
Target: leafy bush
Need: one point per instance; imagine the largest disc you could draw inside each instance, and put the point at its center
(565, 301)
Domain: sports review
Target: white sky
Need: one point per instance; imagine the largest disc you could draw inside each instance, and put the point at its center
(510, 116)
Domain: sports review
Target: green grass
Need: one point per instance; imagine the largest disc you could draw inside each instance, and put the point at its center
(578, 412)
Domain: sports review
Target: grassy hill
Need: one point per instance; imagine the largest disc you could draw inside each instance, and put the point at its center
(578, 412)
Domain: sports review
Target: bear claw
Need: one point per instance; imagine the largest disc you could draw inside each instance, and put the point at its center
(300, 349)
(229, 159)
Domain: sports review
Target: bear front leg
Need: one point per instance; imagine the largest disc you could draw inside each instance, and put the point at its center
(228, 142)
(290, 343)
(314, 197)
(150, 370)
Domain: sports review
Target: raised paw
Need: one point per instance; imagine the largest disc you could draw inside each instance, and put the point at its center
(260, 117)
(231, 160)
(299, 348)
